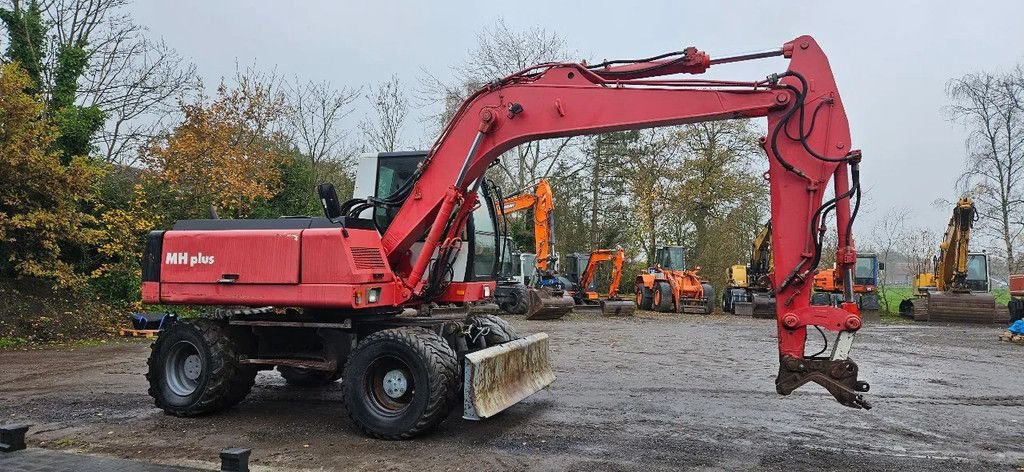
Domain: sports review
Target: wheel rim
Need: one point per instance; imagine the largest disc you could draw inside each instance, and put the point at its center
(639, 293)
(183, 369)
(657, 297)
(389, 385)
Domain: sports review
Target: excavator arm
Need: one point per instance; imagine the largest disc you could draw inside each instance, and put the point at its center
(761, 261)
(542, 203)
(807, 146)
(951, 267)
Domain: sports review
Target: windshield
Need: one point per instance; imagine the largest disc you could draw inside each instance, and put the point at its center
(485, 247)
(864, 272)
(392, 173)
(977, 272)
(671, 258)
(529, 267)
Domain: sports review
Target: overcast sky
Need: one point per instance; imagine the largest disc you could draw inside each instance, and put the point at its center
(891, 59)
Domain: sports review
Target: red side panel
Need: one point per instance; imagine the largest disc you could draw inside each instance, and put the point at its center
(1017, 285)
(150, 292)
(317, 267)
(330, 258)
(302, 295)
(248, 256)
(461, 292)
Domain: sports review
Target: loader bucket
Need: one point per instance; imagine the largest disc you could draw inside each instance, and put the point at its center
(618, 307)
(547, 304)
(501, 376)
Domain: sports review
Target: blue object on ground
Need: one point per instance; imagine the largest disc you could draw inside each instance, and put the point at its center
(152, 320)
(1017, 327)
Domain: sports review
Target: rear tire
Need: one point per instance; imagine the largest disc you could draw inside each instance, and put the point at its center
(907, 308)
(498, 330)
(401, 382)
(194, 368)
(709, 298)
(644, 297)
(662, 297)
(727, 300)
(821, 299)
(300, 377)
(520, 301)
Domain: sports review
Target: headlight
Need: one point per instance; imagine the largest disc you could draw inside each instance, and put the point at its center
(373, 295)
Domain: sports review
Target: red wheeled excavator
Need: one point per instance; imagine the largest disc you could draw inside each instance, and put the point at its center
(328, 295)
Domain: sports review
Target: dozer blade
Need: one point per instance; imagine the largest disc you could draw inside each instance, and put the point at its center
(501, 376)
(547, 304)
(618, 307)
(962, 307)
(587, 308)
(764, 307)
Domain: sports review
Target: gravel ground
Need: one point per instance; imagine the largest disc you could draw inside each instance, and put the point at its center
(653, 392)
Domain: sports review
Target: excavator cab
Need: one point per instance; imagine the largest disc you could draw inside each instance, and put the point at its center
(382, 174)
(671, 258)
(978, 272)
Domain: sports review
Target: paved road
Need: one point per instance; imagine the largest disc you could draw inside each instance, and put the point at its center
(44, 460)
(651, 393)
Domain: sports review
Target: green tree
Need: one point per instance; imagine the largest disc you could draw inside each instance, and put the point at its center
(42, 224)
(26, 39)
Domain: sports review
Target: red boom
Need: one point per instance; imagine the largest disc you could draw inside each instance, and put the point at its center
(561, 100)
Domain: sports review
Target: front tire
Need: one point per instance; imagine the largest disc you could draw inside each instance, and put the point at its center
(519, 301)
(399, 383)
(727, 301)
(498, 331)
(194, 368)
(709, 299)
(663, 300)
(644, 297)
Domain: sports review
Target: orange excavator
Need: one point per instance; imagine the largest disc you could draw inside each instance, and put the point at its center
(613, 304)
(548, 299)
(668, 286)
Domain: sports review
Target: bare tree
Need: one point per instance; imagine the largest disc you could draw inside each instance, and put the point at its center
(919, 246)
(314, 120)
(133, 79)
(887, 236)
(502, 50)
(382, 131)
(991, 106)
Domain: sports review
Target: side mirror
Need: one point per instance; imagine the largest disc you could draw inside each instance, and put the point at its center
(329, 200)
(881, 266)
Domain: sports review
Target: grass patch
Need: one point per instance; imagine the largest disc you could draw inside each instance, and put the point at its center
(12, 343)
(895, 295)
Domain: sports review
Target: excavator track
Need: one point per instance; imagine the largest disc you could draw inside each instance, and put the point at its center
(960, 307)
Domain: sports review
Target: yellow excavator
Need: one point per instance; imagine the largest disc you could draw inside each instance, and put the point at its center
(548, 298)
(958, 288)
(749, 290)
